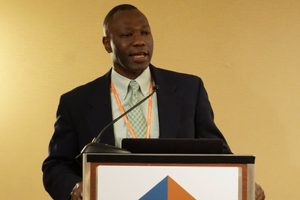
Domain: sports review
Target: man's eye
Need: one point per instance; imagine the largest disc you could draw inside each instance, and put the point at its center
(127, 35)
(146, 33)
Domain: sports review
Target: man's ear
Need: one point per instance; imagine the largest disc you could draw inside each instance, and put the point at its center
(106, 44)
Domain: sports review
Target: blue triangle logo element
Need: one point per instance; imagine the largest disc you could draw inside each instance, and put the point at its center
(158, 192)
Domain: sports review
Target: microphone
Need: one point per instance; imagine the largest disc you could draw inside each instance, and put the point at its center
(96, 147)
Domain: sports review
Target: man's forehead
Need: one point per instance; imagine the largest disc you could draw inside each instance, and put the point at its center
(123, 19)
(126, 16)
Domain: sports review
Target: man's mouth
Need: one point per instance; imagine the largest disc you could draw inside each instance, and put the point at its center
(140, 56)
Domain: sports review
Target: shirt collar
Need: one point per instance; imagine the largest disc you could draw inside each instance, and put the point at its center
(121, 82)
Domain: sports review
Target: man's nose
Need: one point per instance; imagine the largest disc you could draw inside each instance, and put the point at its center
(138, 40)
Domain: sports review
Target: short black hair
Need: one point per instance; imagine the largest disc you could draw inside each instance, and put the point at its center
(111, 13)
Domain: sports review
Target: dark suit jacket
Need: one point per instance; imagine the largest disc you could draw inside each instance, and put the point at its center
(183, 108)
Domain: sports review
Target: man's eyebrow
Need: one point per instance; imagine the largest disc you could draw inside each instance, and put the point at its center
(143, 26)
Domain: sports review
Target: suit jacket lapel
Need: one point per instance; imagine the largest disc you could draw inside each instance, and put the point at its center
(100, 113)
(169, 103)
(169, 106)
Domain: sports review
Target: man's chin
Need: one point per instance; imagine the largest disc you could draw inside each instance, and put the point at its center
(138, 66)
(133, 71)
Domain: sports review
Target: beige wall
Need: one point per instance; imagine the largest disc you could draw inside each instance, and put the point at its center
(247, 52)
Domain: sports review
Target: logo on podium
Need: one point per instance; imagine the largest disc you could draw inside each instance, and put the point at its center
(167, 189)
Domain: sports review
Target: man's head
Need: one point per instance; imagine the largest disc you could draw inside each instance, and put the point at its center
(127, 37)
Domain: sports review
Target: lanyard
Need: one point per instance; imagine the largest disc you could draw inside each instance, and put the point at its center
(125, 117)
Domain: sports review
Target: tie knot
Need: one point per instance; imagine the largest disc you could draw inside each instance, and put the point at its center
(134, 86)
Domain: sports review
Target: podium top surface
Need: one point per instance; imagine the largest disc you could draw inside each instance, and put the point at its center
(170, 158)
(173, 145)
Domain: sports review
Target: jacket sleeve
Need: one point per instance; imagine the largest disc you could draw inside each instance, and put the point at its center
(60, 170)
(204, 119)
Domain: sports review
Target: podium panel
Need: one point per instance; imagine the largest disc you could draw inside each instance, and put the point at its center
(168, 177)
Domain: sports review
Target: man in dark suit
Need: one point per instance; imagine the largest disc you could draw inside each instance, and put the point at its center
(180, 109)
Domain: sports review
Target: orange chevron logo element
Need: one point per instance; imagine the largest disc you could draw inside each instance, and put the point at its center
(167, 189)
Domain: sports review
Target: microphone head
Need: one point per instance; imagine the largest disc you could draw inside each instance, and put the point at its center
(156, 87)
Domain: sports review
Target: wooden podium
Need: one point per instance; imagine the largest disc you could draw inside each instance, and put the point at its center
(106, 175)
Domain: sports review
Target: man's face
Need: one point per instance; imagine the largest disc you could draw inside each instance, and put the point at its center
(130, 42)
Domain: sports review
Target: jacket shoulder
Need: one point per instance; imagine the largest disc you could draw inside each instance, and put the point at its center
(86, 90)
(177, 78)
